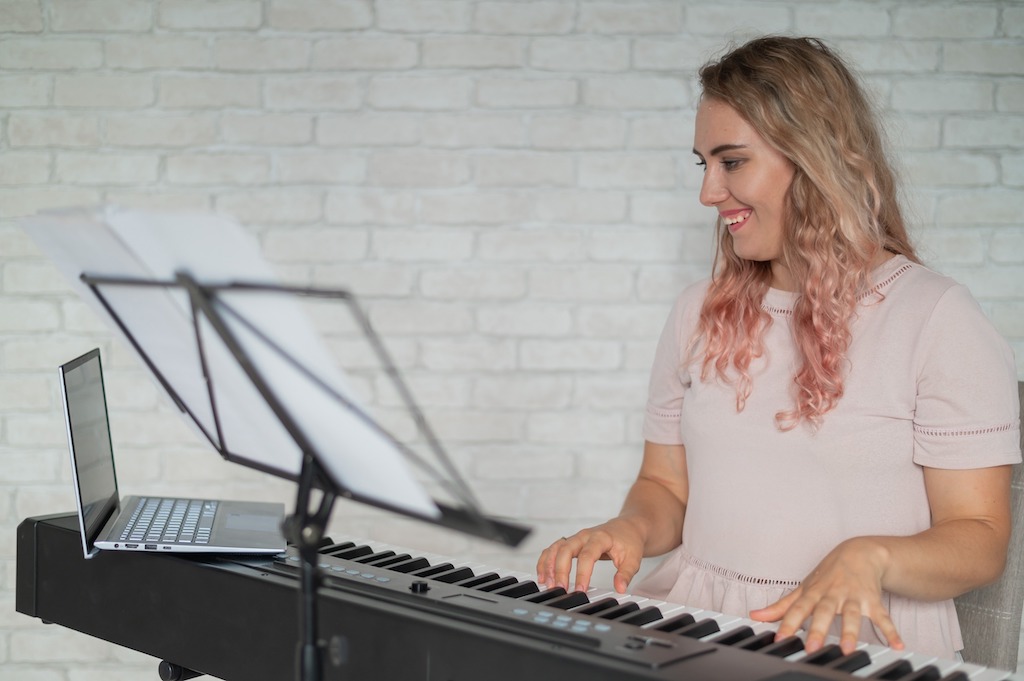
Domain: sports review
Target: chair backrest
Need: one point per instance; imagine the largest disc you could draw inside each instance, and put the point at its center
(990, 616)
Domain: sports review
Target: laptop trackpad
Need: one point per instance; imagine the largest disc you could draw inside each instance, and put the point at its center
(251, 522)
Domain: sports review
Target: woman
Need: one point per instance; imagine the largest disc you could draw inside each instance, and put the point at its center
(830, 425)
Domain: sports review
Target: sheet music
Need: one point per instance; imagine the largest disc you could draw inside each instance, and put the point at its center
(215, 250)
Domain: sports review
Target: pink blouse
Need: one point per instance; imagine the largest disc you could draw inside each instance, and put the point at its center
(930, 383)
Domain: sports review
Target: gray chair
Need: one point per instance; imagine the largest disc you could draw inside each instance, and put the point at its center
(990, 616)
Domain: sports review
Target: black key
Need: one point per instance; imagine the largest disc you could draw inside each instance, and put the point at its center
(597, 606)
(474, 582)
(498, 584)
(545, 596)
(410, 565)
(331, 549)
(354, 552)
(374, 556)
(570, 600)
(433, 570)
(620, 611)
(733, 636)
(758, 642)
(675, 623)
(519, 590)
(700, 628)
(387, 562)
(452, 576)
(893, 671)
(850, 663)
(823, 655)
(643, 616)
(956, 676)
(926, 673)
(785, 647)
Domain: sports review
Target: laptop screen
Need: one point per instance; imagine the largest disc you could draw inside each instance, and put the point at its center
(92, 460)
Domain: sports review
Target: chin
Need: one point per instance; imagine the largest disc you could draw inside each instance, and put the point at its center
(750, 254)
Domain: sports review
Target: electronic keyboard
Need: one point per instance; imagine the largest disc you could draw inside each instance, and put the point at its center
(393, 614)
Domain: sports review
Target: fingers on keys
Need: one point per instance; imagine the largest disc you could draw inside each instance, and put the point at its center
(556, 561)
(584, 549)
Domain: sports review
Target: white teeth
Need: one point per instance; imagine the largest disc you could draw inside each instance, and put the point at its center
(739, 217)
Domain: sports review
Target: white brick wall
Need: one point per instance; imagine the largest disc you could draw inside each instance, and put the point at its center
(507, 185)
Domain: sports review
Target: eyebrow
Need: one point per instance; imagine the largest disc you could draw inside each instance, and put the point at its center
(722, 148)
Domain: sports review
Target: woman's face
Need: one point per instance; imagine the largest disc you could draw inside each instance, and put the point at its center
(746, 179)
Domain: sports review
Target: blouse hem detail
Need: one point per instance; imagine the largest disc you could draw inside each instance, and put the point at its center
(737, 576)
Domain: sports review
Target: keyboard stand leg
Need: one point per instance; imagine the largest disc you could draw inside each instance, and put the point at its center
(171, 672)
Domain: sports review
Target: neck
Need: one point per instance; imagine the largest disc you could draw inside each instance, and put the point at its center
(782, 278)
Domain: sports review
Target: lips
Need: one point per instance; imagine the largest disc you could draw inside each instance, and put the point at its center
(734, 219)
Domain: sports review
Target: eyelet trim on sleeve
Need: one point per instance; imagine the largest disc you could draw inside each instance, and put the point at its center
(665, 413)
(737, 576)
(964, 432)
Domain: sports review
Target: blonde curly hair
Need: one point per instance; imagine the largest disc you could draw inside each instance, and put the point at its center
(842, 211)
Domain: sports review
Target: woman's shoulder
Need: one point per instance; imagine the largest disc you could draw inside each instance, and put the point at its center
(687, 305)
(690, 300)
(902, 279)
(696, 290)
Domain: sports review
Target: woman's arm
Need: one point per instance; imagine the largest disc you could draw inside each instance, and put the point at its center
(964, 548)
(649, 524)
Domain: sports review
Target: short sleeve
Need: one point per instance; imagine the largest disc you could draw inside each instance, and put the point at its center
(669, 379)
(967, 412)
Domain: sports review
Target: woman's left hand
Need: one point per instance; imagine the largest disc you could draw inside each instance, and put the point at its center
(847, 584)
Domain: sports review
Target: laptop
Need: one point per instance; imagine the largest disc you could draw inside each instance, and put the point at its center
(138, 523)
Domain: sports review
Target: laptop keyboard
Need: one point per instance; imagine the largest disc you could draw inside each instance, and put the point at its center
(171, 521)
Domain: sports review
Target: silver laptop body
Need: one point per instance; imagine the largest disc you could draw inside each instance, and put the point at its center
(135, 523)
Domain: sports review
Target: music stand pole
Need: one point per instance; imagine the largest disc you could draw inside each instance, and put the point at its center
(305, 529)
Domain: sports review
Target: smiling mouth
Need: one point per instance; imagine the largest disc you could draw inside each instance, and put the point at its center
(736, 220)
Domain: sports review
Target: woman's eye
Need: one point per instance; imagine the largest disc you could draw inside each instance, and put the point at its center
(702, 165)
(732, 164)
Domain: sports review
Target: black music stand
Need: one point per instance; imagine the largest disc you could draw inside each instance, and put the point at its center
(306, 527)
(112, 255)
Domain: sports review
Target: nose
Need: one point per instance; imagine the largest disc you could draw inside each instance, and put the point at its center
(712, 190)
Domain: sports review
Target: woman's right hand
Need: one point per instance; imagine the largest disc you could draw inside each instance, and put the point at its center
(617, 540)
(650, 523)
